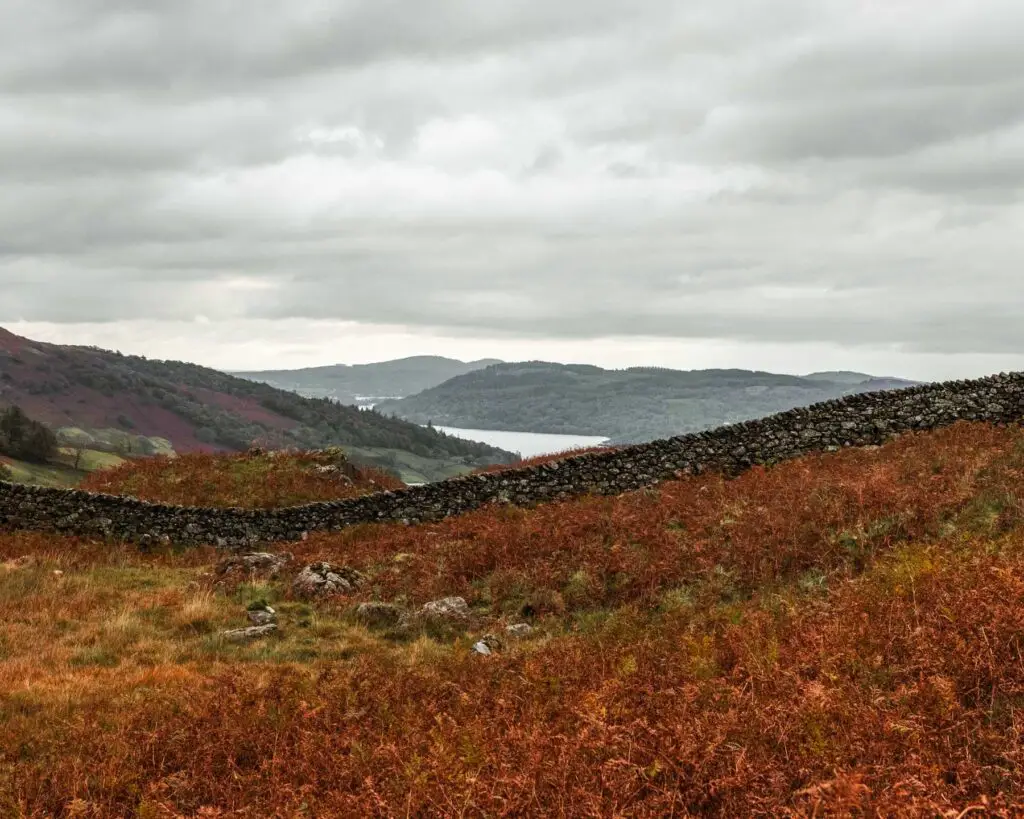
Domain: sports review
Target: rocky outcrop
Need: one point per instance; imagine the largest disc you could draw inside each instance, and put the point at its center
(261, 613)
(249, 633)
(445, 612)
(324, 580)
(858, 420)
(447, 616)
(252, 566)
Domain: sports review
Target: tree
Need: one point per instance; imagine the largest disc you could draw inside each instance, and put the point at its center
(25, 439)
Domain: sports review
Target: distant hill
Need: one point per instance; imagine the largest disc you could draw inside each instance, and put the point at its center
(633, 405)
(198, 409)
(840, 377)
(358, 383)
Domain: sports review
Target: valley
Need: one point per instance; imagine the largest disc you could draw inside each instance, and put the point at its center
(133, 406)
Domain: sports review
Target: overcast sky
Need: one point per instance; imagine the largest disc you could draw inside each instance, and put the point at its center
(780, 184)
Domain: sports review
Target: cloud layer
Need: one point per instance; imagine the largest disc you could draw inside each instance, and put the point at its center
(835, 172)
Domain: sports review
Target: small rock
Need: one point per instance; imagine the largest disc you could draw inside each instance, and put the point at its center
(446, 610)
(481, 648)
(333, 472)
(248, 634)
(379, 615)
(519, 630)
(252, 565)
(442, 614)
(324, 580)
(260, 614)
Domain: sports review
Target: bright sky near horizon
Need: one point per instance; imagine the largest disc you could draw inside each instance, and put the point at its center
(791, 185)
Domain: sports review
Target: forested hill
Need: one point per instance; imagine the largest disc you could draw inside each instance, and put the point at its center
(349, 383)
(632, 405)
(198, 408)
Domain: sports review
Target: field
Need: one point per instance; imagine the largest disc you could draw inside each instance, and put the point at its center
(53, 475)
(62, 472)
(832, 636)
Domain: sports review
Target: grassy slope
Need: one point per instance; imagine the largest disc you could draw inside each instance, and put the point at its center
(42, 474)
(61, 474)
(834, 634)
(91, 460)
(410, 467)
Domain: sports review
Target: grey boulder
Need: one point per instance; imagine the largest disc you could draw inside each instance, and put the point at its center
(248, 634)
(324, 580)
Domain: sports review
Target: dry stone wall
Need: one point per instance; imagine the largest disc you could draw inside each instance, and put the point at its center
(858, 420)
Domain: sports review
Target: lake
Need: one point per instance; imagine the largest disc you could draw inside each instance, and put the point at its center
(527, 444)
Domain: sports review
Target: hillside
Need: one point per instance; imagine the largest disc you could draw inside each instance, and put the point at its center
(837, 635)
(199, 409)
(358, 383)
(628, 406)
(249, 480)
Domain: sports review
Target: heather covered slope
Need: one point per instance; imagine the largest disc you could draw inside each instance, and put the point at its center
(834, 635)
(199, 409)
(629, 406)
(250, 480)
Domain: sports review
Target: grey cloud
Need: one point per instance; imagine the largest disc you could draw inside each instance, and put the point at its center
(881, 125)
(794, 171)
(196, 44)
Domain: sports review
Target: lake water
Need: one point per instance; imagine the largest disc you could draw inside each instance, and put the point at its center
(527, 444)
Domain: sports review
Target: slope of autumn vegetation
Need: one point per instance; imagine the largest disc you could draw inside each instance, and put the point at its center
(832, 636)
(249, 480)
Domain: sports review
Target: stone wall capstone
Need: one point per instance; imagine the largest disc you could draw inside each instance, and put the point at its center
(857, 420)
